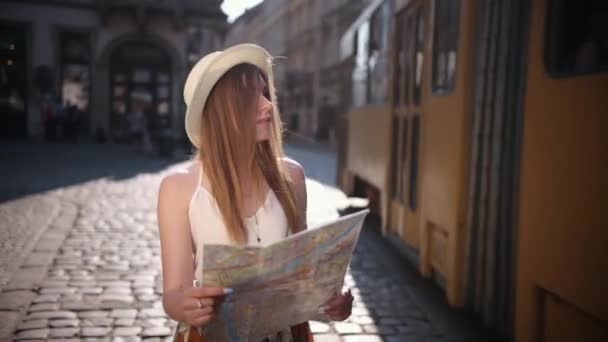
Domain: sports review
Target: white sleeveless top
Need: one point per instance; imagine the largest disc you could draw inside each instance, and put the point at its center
(207, 225)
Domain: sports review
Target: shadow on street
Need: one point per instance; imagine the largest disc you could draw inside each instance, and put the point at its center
(61, 165)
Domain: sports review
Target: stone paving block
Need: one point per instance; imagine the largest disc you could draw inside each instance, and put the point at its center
(46, 244)
(127, 339)
(327, 338)
(361, 320)
(46, 298)
(152, 312)
(82, 305)
(347, 328)
(97, 322)
(51, 315)
(26, 278)
(154, 322)
(370, 328)
(127, 331)
(33, 324)
(362, 338)
(64, 323)
(10, 320)
(39, 259)
(64, 332)
(124, 322)
(319, 327)
(156, 331)
(44, 307)
(58, 290)
(95, 331)
(32, 334)
(54, 283)
(123, 313)
(385, 330)
(15, 300)
(94, 314)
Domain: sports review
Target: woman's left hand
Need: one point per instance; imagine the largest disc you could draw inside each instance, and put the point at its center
(338, 308)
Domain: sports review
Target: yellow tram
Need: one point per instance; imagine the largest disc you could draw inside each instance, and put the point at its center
(479, 132)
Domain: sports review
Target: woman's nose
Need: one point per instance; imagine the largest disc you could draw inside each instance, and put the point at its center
(264, 105)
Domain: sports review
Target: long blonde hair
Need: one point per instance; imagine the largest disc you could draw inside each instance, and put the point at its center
(228, 148)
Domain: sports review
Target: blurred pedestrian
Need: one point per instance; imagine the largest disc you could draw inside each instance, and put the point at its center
(239, 190)
(137, 124)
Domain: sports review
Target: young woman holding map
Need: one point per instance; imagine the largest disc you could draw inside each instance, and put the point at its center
(240, 190)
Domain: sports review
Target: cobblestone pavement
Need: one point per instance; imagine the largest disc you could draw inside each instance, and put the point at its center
(94, 272)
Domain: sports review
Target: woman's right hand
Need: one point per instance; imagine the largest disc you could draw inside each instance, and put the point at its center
(200, 303)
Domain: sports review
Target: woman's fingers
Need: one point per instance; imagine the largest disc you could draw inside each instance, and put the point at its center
(202, 320)
(207, 291)
(197, 303)
(337, 301)
(339, 307)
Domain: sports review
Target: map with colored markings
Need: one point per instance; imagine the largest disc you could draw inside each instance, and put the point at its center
(280, 285)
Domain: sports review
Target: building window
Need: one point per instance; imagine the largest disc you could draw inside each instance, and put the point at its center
(75, 73)
(577, 37)
(445, 43)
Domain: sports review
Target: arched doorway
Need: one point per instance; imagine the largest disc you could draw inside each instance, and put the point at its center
(140, 90)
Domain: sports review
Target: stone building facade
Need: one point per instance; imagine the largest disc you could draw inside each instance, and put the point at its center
(103, 60)
(307, 34)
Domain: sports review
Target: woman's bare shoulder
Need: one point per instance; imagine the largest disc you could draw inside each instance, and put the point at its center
(293, 167)
(180, 182)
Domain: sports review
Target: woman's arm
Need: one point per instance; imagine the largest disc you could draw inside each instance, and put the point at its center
(182, 302)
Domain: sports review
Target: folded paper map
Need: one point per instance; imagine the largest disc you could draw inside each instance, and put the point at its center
(280, 285)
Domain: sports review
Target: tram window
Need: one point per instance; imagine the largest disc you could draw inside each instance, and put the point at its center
(398, 62)
(378, 61)
(360, 77)
(445, 43)
(577, 37)
(407, 59)
(414, 163)
(419, 55)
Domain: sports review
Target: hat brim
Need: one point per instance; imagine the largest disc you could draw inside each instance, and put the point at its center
(211, 74)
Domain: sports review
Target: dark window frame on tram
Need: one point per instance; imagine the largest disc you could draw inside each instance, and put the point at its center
(420, 23)
(414, 162)
(398, 62)
(559, 57)
(397, 163)
(445, 40)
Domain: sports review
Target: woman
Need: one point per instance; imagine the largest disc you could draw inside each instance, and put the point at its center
(239, 190)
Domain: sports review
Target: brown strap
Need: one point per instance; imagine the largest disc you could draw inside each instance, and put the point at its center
(300, 333)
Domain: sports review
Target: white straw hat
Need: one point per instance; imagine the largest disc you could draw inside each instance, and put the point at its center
(205, 74)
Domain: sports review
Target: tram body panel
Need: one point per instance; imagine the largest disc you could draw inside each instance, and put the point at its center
(562, 236)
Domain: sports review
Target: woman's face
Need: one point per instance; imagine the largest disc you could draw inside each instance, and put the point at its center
(263, 118)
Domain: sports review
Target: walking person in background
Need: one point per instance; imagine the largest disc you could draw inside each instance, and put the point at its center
(239, 190)
(138, 125)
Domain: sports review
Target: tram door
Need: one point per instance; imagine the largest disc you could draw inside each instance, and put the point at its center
(407, 111)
